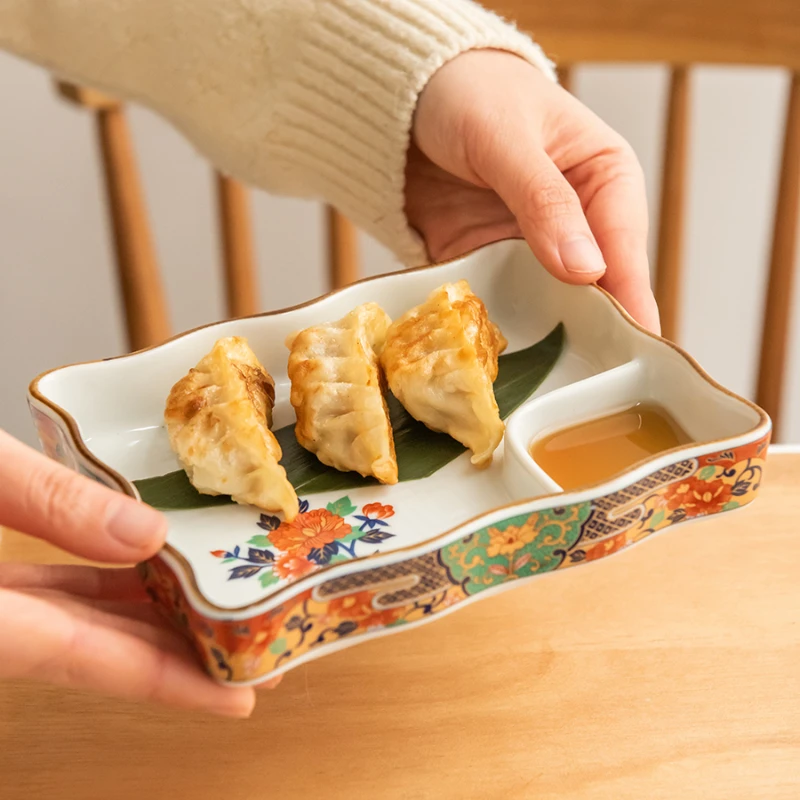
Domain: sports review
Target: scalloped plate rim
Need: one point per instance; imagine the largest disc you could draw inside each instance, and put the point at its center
(184, 570)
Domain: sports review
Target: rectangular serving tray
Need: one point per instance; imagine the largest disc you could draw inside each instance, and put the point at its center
(259, 596)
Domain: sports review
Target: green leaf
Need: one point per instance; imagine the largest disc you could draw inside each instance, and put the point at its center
(267, 578)
(278, 646)
(706, 473)
(730, 505)
(259, 540)
(342, 507)
(173, 492)
(355, 533)
(420, 451)
(657, 518)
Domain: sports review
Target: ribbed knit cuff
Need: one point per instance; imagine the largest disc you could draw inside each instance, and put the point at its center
(344, 116)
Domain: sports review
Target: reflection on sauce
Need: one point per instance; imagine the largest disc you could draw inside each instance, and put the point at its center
(594, 451)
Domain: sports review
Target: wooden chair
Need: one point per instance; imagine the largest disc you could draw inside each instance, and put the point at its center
(677, 32)
(146, 316)
(681, 33)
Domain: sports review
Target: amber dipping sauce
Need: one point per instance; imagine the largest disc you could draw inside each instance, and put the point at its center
(594, 451)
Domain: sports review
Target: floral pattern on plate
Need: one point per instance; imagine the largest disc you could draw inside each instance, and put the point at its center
(316, 538)
(418, 588)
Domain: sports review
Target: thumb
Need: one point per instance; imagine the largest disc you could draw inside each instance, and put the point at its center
(46, 500)
(546, 207)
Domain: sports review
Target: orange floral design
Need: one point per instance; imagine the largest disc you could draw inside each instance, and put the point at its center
(292, 566)
(248, 648)
(707, 498)
(674, 496)
(607, 547)
(309, 531)
(378, 511)
(353, 606)
(358, 607)
(698, 497)
(509, 540)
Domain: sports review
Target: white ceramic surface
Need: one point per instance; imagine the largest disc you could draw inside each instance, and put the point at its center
(607, 362)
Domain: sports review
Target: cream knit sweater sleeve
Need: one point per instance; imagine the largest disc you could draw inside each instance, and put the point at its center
(311, 98)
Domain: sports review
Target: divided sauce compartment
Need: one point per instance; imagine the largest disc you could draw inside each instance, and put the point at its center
(256, 600)
(709, 416)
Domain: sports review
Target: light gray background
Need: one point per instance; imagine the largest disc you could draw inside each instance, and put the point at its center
(58, 302)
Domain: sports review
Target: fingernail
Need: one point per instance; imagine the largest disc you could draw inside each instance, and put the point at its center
(582, 257)
(656, 326)
(135, 524)
(243, 706)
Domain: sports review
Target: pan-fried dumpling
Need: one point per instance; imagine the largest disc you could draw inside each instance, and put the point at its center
(337, 393)
(218, 419)
(440, 360)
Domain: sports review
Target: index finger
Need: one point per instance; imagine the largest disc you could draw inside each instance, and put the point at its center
(95, 583)
(49, 501)
(615, 204)
(85, 651)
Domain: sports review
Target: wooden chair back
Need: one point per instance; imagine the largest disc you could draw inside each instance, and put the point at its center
(682, 33)
(140, 281)
(678, 32)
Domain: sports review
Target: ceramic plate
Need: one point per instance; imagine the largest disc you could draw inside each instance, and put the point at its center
(259, 596)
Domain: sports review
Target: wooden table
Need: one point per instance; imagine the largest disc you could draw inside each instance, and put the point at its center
(670, 671)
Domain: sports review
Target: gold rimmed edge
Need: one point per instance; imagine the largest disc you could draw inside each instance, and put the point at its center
(129, 489)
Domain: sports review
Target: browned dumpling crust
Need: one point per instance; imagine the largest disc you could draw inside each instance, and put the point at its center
(440, 360)
(338, 393)
(218, 419)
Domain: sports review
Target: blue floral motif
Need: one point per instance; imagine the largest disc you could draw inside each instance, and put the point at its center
(272, 564)
(369, 522)
(268, 522)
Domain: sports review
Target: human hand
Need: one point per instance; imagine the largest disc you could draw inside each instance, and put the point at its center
(500, 151)
(90, 627)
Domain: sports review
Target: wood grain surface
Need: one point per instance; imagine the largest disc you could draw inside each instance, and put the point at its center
(677, 32)
(669, 671)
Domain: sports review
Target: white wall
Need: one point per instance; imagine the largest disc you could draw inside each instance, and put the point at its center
(58, 302)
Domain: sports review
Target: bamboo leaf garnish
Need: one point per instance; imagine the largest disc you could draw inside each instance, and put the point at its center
(420, 451)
